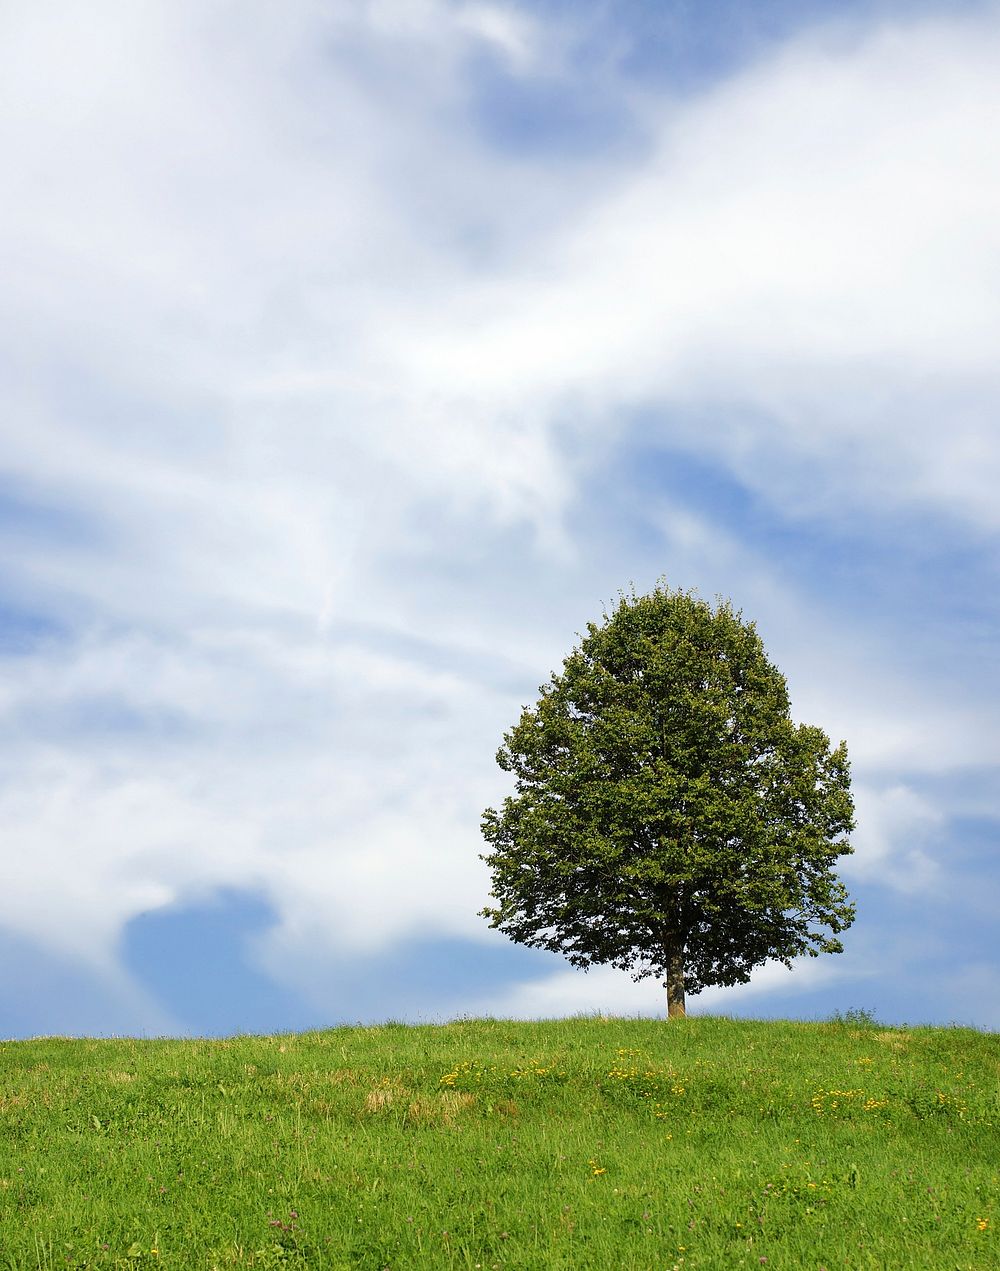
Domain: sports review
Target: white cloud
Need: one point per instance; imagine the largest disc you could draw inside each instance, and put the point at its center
(894, 841)
(298, 349)
(90, 848)
(504, 28)
(345, 784)
(811, 242)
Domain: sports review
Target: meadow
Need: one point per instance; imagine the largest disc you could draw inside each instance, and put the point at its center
(584, 1143)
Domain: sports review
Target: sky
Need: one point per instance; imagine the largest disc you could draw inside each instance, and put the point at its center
(355, 354)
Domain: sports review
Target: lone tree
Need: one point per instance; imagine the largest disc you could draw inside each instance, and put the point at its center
(669, 817)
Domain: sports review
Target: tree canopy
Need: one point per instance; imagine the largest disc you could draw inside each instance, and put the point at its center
(669, 818)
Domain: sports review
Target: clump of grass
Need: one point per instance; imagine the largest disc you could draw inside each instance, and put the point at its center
(855, 1017)
(586, 1143)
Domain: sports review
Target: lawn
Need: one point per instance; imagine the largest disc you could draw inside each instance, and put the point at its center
(583, 1143)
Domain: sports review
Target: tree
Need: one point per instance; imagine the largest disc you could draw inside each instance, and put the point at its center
(669, 817)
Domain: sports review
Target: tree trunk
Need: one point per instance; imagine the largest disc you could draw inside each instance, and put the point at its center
(674, 983)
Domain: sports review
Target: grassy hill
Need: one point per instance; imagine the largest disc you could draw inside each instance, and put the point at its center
(586, 1143)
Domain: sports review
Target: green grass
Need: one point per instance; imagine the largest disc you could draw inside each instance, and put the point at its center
(585, 1143)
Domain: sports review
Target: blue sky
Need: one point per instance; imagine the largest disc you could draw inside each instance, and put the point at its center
(355, 355)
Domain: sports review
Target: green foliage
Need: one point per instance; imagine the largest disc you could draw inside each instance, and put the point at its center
(666, 803)
(576, 1144)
